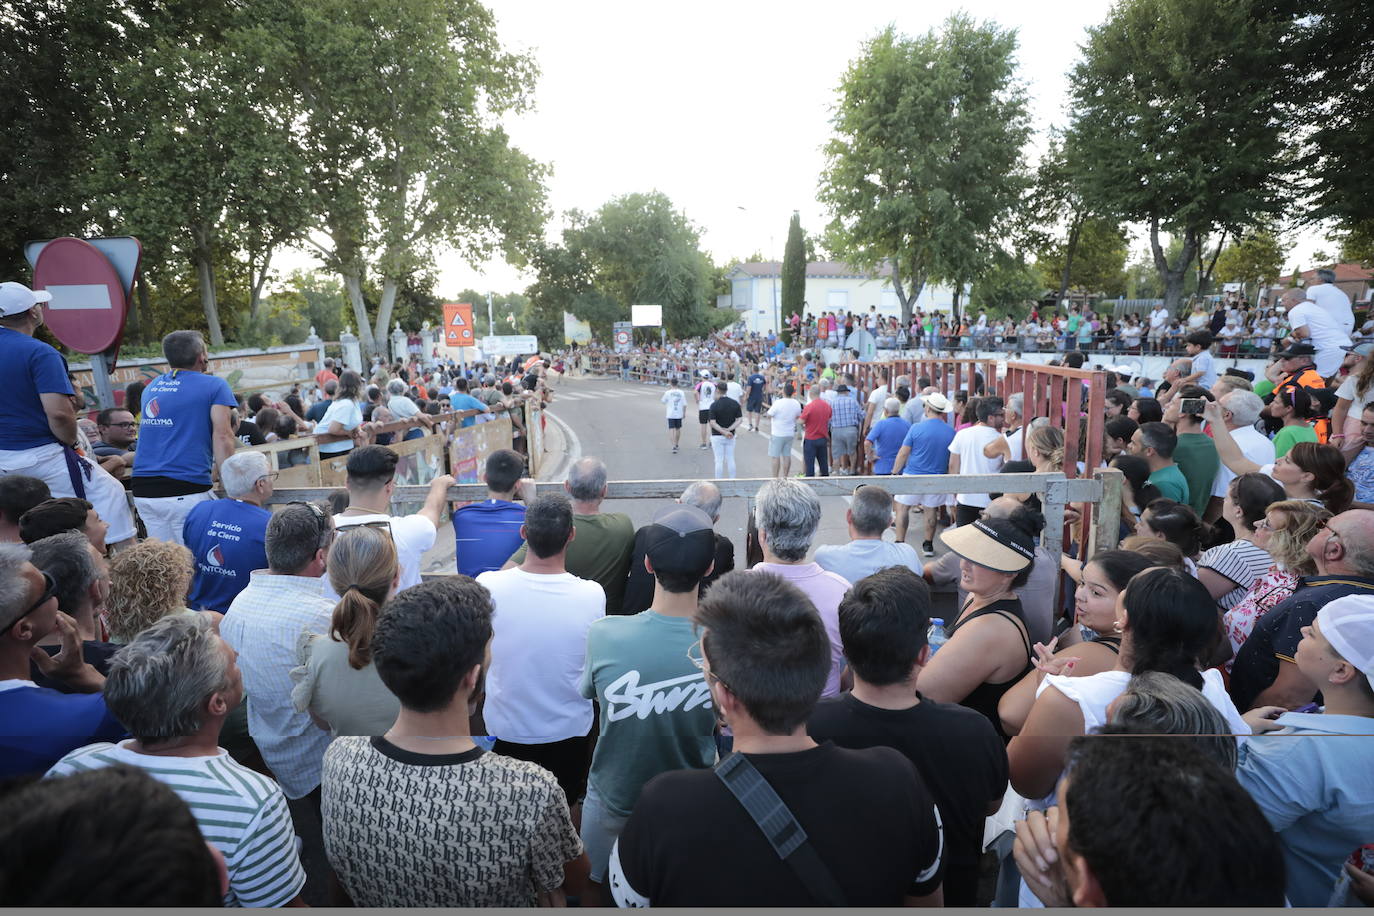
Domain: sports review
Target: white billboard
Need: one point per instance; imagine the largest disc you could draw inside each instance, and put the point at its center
(510, 345)
(646, 316)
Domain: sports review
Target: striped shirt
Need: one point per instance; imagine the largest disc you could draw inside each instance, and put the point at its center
(262, 626)
(241, 813)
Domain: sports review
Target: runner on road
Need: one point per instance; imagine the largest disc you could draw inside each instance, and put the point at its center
(675, 409)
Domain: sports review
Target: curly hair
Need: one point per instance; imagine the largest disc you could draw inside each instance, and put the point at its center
(147, 582)
(1288, 545)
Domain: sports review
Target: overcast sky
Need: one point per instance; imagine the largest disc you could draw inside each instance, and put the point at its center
(723, 106)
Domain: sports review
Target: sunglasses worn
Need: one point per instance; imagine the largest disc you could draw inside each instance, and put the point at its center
(49, 590)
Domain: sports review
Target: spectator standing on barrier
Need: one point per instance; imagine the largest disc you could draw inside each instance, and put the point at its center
(868, 516)
(432, 649)
(961, 760)
(967, 457)
(226, 537)
(783, 414)
(38, 431)
(185, 435)
(787, 513)
(38, 725)
(639, 587)
(538, 653)
(263, 626)
(1310, 323)
(486, 533)
(674, 402)
(765, 655)
(925, 451)
(726, 417)
(815, 417)
(656, 714)
(173, 687)
(371, 482)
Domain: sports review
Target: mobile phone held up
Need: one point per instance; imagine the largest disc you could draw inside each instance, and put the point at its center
(1191, 406)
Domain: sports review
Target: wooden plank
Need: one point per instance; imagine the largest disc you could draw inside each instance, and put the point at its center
(1107, 530)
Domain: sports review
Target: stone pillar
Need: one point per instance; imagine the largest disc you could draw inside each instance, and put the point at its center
(427, 344)
(313, 340)
(352, 350)
(398, 345)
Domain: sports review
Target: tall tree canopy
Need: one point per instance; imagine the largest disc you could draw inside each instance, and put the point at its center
(1175, 105)
(926, 162)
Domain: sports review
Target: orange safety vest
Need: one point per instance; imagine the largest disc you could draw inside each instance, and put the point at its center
(1308, 377)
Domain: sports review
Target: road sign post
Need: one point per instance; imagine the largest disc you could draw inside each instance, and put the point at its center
(90, 282)
(458, 330)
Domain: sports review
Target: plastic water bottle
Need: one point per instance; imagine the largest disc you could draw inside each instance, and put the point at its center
(936, 636)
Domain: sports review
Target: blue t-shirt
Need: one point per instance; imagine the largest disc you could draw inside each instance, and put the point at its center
(929, 443)
(175, 434)
(28, 368)
(226, 538)
(460, 401)
(756, 383)
(39, 726)
(887, 436)
(486, 534)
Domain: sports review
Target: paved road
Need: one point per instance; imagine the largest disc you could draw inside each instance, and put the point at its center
(623, 424)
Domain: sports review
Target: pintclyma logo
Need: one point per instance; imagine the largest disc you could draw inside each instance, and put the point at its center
(214, 556)
(151, 408)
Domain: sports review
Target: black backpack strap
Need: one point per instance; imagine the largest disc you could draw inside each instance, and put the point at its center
(781, 829)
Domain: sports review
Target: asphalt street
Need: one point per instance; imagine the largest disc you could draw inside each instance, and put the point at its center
(623, 424)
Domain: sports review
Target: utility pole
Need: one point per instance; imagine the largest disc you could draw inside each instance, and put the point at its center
(491, 327)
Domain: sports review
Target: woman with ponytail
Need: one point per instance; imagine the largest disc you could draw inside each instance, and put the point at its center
(335, 679)
(1167, 623)
(1308, 471)
(1045, 449)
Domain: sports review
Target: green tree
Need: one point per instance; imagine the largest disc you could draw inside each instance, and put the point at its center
(403, 102)
(1008, 288)
(926, 162)
(1255, 258)
(794, 268)
(1356, 242)
(1174, 114)
(1092, 259)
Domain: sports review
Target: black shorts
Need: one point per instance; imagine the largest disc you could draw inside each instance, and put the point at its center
(675, 422)
(755, 405)
(704, 417)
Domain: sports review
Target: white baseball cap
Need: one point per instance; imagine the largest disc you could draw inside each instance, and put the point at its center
(1348, 624)
(16, 298)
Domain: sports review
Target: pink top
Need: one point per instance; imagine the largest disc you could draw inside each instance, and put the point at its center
(1268, 590)
(825, 589)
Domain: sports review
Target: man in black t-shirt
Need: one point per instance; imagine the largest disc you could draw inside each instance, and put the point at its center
(725, 416)
(883, 624)
(866, 813)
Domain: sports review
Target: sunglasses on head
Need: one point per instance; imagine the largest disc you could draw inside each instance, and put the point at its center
(49, 590)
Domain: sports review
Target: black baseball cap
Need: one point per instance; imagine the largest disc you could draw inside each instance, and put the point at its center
(1298, 349)
(680, 540)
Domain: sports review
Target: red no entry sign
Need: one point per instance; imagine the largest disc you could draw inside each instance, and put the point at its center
(89, 301)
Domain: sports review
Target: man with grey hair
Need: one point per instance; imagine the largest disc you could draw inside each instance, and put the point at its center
(885, 438)
(605, 540)
(1169, 385)
(263, 625)
(185, 434)
(868, 516)
(37, 724)
(1330, 298)
(787, 513)
(1241, 409)
(639, 588)
(173, 686)
(1312, 324)
(226, 536)
(83, 585)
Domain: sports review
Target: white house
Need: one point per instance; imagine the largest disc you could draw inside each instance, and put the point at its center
(756, 292)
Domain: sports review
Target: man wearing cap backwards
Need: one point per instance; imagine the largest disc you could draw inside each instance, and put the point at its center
(1310, 323)
(925, 450)
(37, 420)
(1316, 789)
(656, 712)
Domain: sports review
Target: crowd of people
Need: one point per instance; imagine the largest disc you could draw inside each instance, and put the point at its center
(594, 713)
